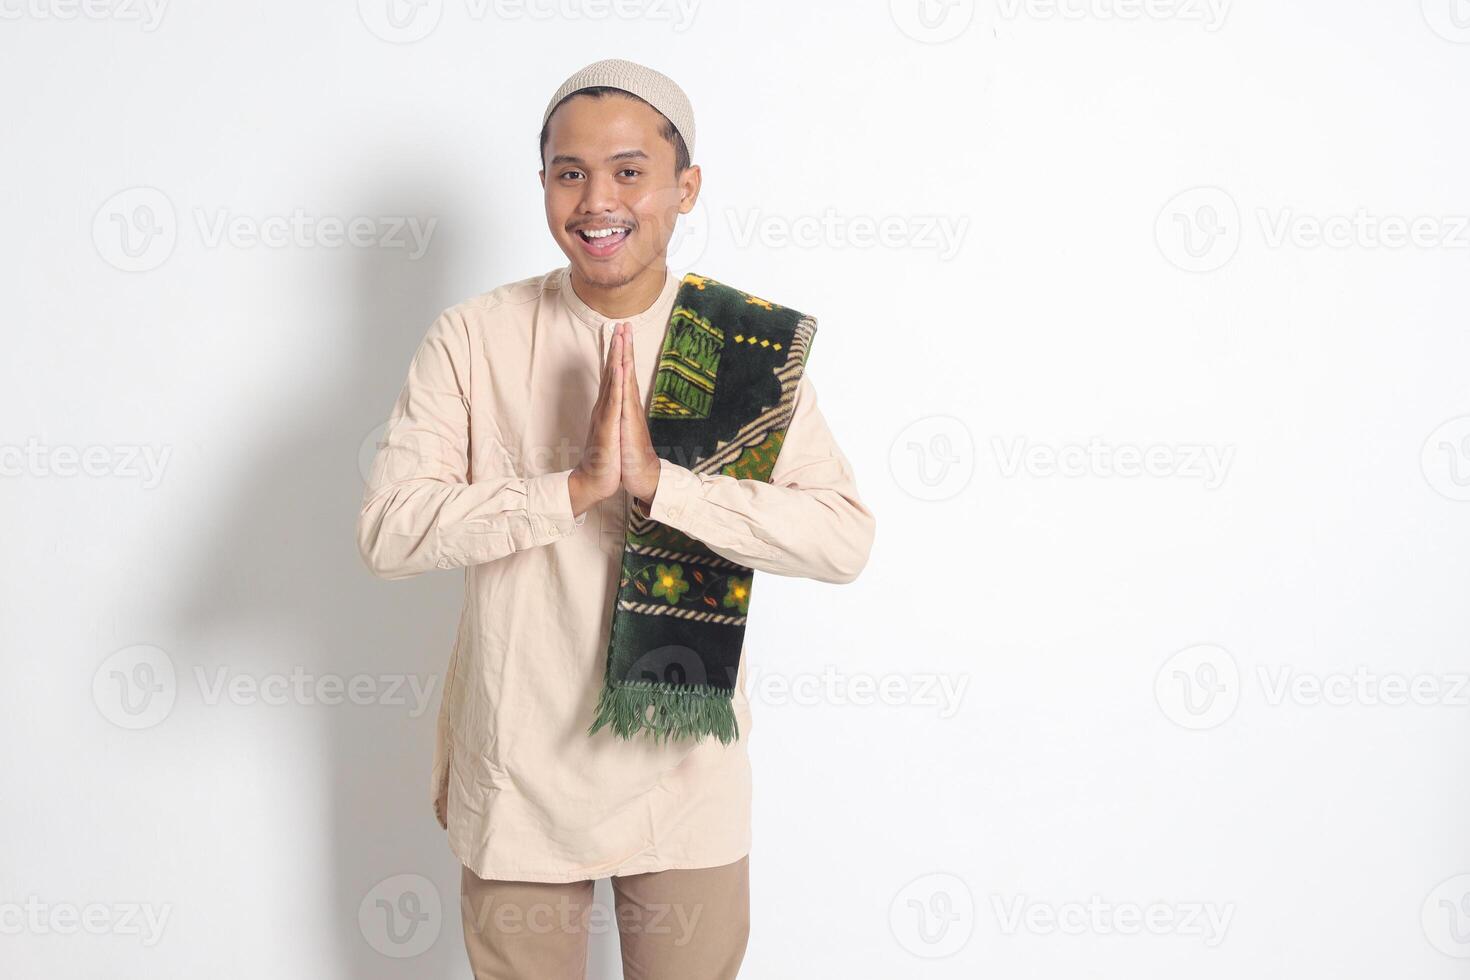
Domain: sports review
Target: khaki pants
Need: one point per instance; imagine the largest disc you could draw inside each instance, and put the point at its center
(672, 925)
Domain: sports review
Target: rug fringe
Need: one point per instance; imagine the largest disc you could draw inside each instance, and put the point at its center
(666, 711)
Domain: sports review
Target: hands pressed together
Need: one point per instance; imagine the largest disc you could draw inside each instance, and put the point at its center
(618, 450)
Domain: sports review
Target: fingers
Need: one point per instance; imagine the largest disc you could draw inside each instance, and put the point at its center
(602, 437)
(608, 400)
(631, 403)
(604, 378)
(619, 373)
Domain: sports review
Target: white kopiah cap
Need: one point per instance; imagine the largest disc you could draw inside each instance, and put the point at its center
(655, 88)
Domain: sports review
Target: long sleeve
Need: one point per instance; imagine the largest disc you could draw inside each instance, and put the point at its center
(420, 510)
(808, 521)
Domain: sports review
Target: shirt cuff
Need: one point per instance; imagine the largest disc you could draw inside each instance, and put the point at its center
(677, 495)
(549, 502)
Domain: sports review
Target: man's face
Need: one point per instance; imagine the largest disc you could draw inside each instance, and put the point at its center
(608, 171)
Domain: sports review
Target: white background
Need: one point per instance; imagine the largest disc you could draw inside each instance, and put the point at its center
(1135, 656)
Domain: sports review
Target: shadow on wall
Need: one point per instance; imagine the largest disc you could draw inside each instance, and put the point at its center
(299, 499)
(390, 895)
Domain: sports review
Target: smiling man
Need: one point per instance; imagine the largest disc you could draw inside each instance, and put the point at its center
(594, 719)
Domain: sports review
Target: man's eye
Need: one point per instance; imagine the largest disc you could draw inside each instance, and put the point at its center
(571, 173)
(630, 171)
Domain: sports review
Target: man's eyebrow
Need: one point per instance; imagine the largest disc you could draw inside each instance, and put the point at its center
(561, 158)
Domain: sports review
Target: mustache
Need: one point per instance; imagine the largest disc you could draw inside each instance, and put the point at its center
(595, 225)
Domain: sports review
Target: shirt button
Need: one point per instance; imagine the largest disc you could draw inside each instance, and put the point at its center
(673, 512)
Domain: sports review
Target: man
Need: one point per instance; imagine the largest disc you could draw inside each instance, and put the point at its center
(478, 470)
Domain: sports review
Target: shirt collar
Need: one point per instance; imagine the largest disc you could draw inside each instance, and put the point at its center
(657, 311)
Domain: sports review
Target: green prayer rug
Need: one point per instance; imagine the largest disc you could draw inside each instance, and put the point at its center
(723, 395)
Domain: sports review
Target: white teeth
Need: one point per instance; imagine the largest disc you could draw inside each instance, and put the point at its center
(600, 232)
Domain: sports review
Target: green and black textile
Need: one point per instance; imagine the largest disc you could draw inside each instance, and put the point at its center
(723, 395)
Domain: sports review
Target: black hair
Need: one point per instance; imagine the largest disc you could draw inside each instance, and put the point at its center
(668, 131)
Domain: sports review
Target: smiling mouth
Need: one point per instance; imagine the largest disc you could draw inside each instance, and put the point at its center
(600, 241)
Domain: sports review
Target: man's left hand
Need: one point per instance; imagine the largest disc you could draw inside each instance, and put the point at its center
(639, 461)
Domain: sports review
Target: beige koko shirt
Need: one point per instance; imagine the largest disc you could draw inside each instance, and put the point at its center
(472, 473)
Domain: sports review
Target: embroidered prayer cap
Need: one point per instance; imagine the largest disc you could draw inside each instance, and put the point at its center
(655, 88)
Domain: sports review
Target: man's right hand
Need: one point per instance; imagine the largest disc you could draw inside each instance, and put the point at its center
(599, 473)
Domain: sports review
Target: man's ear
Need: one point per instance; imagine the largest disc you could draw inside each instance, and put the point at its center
(542, 175)
(689, 184)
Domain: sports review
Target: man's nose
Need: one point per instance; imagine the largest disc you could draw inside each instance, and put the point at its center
(599, 193)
